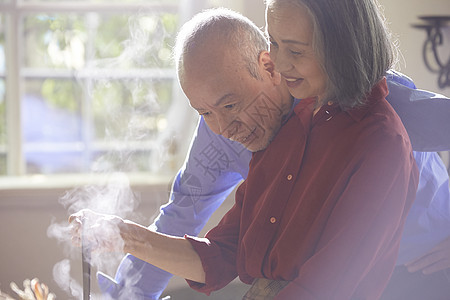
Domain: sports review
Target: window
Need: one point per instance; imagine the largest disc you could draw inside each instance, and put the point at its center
(90, 86)
(2, 96)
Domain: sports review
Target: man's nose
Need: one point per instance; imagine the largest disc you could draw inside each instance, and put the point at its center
(228, 126)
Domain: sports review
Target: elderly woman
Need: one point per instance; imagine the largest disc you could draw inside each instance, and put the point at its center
(321, 212)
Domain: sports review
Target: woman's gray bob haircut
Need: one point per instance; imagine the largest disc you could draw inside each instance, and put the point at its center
(237, 32)
(352, 43)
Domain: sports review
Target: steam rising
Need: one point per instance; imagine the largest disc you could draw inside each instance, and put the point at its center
(61, 275)
(113, 195)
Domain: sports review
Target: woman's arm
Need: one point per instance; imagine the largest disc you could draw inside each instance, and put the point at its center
(170, 253)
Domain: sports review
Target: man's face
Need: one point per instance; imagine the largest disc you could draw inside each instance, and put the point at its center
(232, 102)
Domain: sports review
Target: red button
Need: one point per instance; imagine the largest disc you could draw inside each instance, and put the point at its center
(289, 177)
(273, 220)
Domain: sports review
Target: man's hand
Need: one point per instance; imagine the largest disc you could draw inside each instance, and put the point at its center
(100, 231)
(116, 290)
(437, 259)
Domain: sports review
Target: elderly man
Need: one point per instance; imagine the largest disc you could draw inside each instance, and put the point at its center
(215, 165)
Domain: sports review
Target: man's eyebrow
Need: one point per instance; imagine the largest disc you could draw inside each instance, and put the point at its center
(222, 99)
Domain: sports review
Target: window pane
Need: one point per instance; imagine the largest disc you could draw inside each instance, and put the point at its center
(130, 110)
(2, 46)
(54, 41)
(3, 135)
(106, 40)
(137, 41)
(52, 128)
(128, 118)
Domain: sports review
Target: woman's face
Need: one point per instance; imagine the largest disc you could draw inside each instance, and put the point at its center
(290, 31)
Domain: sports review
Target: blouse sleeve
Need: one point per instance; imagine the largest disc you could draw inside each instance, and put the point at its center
(218, 250)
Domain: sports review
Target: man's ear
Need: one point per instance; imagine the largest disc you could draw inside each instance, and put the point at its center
(268, 67)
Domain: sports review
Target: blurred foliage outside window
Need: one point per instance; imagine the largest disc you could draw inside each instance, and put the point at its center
(95, 87)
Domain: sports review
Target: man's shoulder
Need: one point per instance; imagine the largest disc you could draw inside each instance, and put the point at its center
(395, 77)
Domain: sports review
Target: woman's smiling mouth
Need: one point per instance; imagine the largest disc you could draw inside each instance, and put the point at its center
(293, 82)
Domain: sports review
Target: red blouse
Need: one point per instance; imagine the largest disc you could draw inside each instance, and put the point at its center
(323, 206)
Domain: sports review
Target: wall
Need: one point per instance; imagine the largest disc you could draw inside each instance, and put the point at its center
(400, 16)
(27, 251)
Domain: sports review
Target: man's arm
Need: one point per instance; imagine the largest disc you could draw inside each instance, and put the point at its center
(437, 259)
(424, 114)
(213, 167)
(425, 245)
(428, 221)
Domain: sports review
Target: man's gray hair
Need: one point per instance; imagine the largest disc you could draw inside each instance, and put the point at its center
(237, 32)
(352, 43)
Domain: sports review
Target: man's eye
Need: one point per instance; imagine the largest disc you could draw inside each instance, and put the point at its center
(229, 106)
(205, 114)
(295, 52)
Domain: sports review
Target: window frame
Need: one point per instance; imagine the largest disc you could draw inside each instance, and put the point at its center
(14, 12)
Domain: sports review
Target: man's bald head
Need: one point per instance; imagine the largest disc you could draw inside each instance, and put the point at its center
(200, 39)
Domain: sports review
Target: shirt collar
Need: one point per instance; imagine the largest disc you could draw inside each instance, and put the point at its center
(378, 92)
(295, 101)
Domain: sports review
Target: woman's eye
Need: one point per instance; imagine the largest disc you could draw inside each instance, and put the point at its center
(295, 52)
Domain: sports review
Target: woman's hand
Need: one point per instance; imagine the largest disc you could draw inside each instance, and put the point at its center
(99, 232)
(436, 259)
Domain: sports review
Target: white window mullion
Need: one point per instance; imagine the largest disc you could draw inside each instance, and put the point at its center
(15, 161)
(87, 82)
